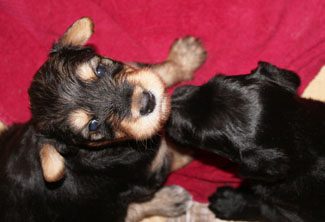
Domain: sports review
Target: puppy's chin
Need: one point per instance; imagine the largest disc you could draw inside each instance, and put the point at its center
(141, 125)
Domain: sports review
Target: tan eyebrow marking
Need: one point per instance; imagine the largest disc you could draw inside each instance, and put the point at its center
(79, 119)
(86, 71)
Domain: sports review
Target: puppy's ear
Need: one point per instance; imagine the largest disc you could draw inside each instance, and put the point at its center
(78, 33)
(283, 77)
(52, 163)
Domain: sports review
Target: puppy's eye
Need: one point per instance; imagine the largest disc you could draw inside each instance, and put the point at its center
(93, 125)
(101, 70)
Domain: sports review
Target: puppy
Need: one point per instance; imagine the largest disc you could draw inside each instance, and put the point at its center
(92, 149)
(278, 139)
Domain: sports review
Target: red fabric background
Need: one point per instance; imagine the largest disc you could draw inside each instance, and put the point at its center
(238, 33)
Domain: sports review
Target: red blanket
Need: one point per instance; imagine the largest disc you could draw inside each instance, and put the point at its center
(289, 33)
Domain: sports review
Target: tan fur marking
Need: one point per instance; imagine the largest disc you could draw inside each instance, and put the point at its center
(146, 79)
(162, 154)
(79, 33)
(85, 72)
(52, 163)
(79, 119)
(3, 127)
(179, 157)
(165, 108)
(140, 130)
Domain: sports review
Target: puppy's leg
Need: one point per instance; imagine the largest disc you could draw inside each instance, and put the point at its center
(240, 204)
(170, 201)
(185, 57)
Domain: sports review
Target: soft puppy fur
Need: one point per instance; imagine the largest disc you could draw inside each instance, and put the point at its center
(278, 139)
(93, 147)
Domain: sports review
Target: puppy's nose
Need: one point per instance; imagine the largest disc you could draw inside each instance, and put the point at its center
(147, 103)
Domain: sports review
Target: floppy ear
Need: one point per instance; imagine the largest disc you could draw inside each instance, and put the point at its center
(52, 163)
(78, 33)
(283, 77)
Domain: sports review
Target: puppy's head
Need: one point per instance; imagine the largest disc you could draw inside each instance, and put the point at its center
(81, 97)
(228, 110)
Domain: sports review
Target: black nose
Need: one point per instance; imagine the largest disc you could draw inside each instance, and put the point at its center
(147, 103)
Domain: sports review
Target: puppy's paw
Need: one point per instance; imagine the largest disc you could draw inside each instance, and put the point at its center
(173, 201)
(188, 54)
(170, 201)
(227, 203)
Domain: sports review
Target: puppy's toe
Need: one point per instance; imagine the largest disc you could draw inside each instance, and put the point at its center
(176, 201)
(189, 54)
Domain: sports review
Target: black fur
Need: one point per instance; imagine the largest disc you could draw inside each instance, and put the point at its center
(278, 139)
(99, 182)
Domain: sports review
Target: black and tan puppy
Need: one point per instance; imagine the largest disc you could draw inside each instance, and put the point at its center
(92, 148)
(276, 137)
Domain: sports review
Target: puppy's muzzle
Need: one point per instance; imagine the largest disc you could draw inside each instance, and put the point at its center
(150, 105)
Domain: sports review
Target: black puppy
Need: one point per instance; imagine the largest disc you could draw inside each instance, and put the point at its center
(92, 149)
(278, 139)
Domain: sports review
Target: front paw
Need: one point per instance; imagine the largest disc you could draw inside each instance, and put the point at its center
(188, 54)
(228, 203)
(172, 201)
